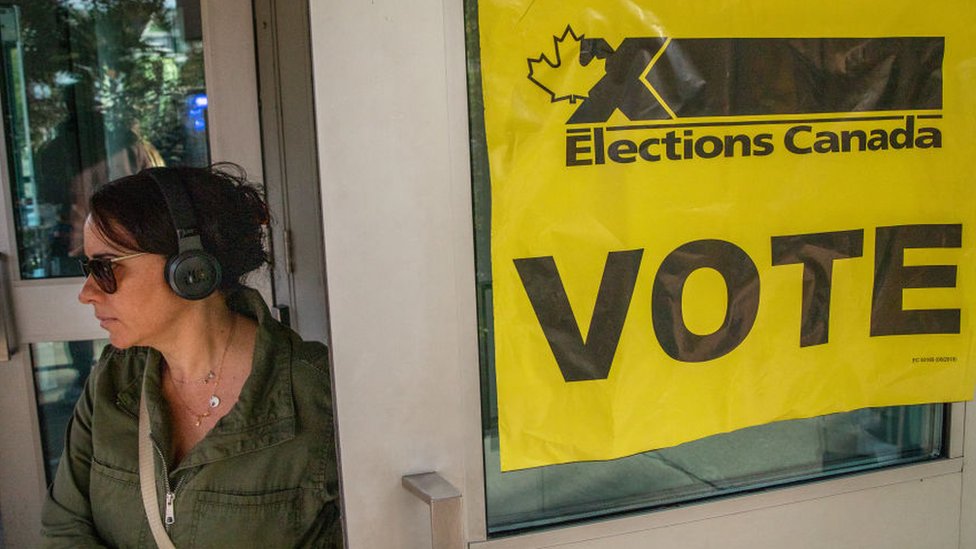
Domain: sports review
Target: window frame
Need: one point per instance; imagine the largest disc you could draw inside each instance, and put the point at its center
(952, 462)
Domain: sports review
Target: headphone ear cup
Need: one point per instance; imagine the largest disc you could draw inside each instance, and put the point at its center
(193, 274)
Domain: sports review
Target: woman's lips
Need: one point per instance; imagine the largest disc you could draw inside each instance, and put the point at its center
(104, 321)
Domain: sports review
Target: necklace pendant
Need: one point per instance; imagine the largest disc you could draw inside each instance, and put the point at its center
(214, 401)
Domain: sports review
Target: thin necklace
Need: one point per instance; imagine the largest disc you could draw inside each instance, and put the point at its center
(214, 399)
(210, 375)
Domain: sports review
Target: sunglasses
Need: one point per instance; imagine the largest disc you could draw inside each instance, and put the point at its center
(100, 269)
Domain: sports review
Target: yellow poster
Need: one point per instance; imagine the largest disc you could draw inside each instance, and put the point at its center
(714, 215)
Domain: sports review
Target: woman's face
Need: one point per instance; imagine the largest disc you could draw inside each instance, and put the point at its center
(143, 310)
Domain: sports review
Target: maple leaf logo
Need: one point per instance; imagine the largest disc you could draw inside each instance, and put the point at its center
(571, 75)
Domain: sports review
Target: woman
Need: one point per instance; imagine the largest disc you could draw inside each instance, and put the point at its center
(239, 407)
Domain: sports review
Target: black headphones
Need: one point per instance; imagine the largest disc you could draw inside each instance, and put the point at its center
(192, 273)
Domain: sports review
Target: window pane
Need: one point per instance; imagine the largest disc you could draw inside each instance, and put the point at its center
(748, 459)
(93, 91)
(60, 371)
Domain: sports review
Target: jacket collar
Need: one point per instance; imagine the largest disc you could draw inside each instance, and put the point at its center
(264, 414)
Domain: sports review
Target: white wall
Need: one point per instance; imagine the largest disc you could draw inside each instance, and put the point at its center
(390, 110)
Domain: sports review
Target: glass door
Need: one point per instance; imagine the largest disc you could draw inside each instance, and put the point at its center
(90, 90)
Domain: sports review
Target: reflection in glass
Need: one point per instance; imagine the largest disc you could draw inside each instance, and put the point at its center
(60, 371)
(721, 465)
(93, 90)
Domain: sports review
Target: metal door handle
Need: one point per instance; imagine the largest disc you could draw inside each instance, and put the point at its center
(445, 508)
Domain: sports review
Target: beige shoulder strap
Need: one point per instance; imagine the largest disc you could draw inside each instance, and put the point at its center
(147, 479)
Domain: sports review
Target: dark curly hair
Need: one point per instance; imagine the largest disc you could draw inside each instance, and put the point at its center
(231, 215)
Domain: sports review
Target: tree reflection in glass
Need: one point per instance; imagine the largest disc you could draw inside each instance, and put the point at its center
(93, 90)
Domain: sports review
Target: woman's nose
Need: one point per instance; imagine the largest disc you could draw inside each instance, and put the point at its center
(89, 291)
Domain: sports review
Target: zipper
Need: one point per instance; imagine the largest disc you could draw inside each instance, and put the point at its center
(170, 514)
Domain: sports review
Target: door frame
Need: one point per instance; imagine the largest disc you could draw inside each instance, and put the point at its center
(291, 165)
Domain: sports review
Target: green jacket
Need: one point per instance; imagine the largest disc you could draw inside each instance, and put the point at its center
(264, 476)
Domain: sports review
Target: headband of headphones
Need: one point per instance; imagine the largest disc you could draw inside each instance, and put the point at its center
(192, 273)
(180, 209)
